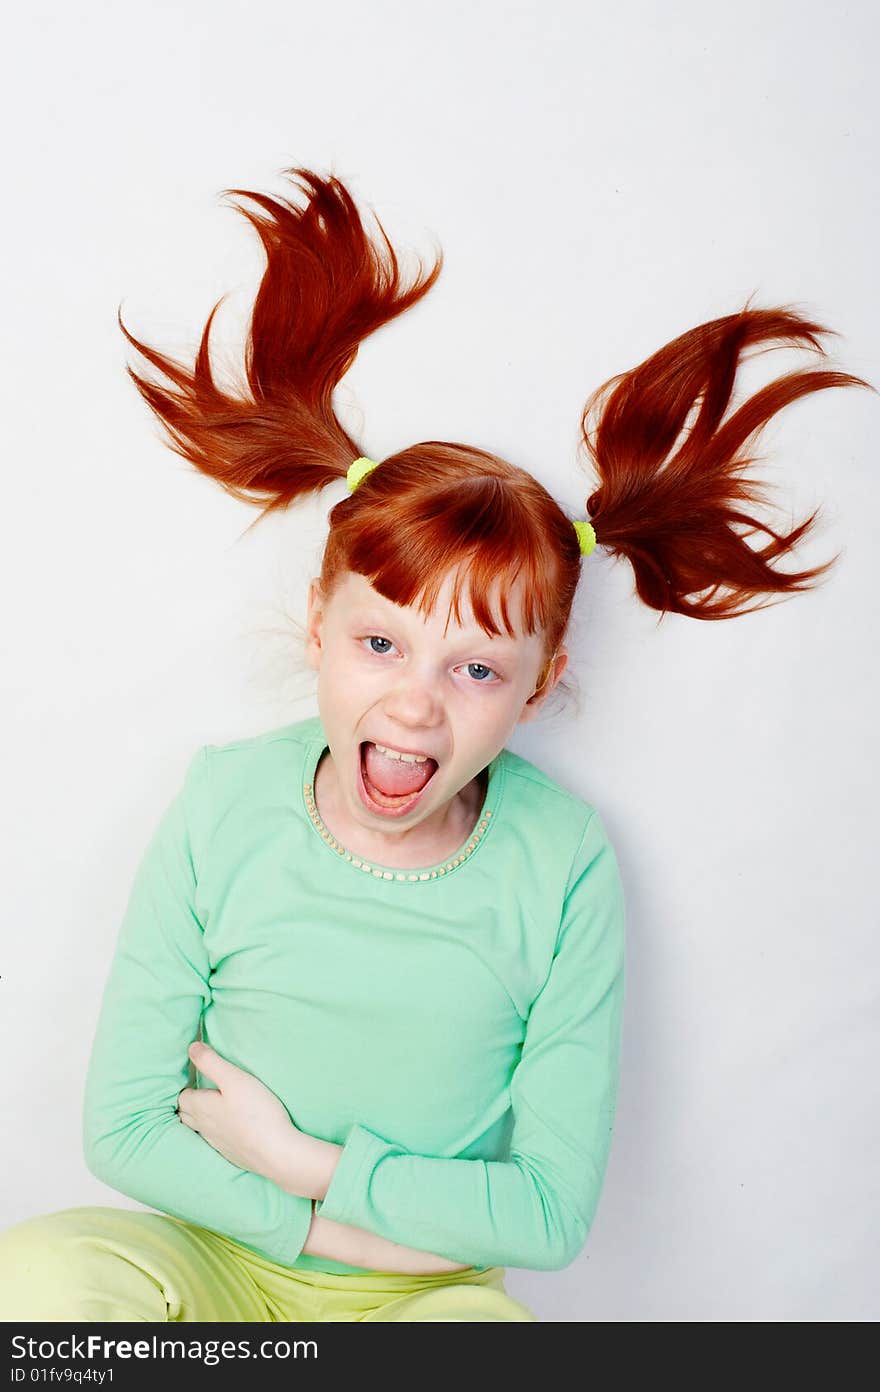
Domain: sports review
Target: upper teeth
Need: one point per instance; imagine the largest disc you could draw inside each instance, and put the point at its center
(407, 758)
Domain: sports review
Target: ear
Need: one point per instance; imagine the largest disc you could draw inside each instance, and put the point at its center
(314, 623)
(538, 697)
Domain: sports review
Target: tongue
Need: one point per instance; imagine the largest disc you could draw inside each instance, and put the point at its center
(395, 777)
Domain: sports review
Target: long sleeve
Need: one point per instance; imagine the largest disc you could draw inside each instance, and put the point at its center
(156, 991)
(534, 1209)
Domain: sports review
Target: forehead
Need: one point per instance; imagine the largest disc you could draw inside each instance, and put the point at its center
(360, 596)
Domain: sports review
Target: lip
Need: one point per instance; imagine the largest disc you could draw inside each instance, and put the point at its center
(389, 812)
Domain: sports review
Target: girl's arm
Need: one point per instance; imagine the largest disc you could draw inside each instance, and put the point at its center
(343, 1243)
(249, 1126)
(156, 992)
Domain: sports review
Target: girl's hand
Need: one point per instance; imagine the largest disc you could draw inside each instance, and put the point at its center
(241, 1118)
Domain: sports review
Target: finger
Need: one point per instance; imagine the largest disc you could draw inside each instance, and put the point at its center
(192, 1116)
(208, 1062)
(192, 1104)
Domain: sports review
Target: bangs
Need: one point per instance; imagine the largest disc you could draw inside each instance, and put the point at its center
(500, 569)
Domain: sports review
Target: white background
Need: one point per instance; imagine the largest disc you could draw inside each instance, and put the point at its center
(601, 178)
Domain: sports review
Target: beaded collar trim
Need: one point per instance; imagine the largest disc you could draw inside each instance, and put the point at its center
(382, 872)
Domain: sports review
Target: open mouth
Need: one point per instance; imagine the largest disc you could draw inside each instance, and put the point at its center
(391, 786)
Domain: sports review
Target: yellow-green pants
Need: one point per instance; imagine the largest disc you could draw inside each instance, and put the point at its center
(107, 1264)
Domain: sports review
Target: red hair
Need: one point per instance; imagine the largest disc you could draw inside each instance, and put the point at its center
(437, 507)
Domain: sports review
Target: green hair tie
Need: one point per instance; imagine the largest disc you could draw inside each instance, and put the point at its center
(586, 536)
(358, 470)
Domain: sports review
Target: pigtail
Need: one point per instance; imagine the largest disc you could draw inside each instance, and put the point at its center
(674, 521)
(327, 285)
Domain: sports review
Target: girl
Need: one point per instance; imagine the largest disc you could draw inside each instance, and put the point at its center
(401, 943)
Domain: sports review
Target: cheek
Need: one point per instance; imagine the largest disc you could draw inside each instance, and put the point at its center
(348, 684)
(502, 719)
(480, 717)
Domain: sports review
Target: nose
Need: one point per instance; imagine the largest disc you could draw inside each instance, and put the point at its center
(414, 702)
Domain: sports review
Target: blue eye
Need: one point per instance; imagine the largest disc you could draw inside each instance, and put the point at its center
(478, 670)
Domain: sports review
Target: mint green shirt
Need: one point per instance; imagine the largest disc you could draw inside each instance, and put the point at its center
(456, 1029)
